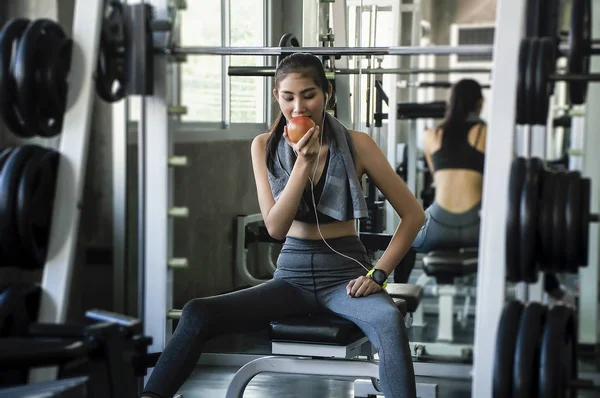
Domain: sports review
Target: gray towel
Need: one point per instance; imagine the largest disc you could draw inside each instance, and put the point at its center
(342, 196)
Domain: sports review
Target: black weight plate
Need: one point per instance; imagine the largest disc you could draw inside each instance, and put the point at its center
(545, 66)
(529, 220)
(54, 73)
(559, 236)
(287, 40)
(517, 177)
(527, 350)
(530, 83)
(9, 36)
(550, 16)
(555, 362)
(110, 71)
(572, 220)
(4, 154)
(9, 184)
(504, 352)
(35, 201)
(584, 224)
(579, 49)
(522, 106)
(30, 67)
(533, 24)
(545, 219)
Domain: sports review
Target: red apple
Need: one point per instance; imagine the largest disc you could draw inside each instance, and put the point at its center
(298, 126)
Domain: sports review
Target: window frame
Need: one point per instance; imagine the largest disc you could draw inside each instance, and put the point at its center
(235, 130)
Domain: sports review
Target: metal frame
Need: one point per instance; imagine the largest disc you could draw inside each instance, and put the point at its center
(353, 368)
(73, 148)
(241, 265)
(491, 271)
(158, 232)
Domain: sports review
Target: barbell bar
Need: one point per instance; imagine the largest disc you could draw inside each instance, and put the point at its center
(486, 49)
(266, 71)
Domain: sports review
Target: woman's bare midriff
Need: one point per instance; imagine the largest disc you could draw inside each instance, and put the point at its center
(458, 190)
(302, 230)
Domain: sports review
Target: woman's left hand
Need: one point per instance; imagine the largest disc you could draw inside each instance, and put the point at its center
(362, 287)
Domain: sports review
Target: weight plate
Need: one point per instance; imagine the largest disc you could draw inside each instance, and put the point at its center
(287, 40)
(530, 82)
(559, 236)
(555, 363)
(517, 177)
(522, 105)
(584, 224)
(572, 220)
(9, 37)
(579, 45)
(545, 66)
(533, 25)
(35, 201)
(527, 350)
(110, 75)
(529, 220)
(545, 218)
(9, 184)
(39, 41)
(504, 353)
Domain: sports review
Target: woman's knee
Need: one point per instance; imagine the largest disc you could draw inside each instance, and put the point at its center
(196, 313)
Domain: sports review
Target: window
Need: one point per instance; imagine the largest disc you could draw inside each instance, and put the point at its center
(204, 78)
(376, 25)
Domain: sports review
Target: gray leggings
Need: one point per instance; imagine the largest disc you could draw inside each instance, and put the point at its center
(310, 279)
(445, 230)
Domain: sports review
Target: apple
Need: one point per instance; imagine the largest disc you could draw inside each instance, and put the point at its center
(298, 126)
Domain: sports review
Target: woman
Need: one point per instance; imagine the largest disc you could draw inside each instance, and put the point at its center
(323, 266)
(454, 152)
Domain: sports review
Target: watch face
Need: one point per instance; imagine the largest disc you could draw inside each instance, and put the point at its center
(379, 276)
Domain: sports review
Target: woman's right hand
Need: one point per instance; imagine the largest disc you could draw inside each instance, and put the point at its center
(307, 148)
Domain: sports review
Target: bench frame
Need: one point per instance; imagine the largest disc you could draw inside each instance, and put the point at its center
(322, 360)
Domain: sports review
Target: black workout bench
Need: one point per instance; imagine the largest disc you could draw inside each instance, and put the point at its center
(447, 267)
(327, 344)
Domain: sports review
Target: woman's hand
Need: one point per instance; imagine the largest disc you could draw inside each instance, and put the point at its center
(362, 287)
(307, 148)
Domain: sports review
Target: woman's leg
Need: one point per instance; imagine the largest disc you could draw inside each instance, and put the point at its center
(383, 324)
(204, 318)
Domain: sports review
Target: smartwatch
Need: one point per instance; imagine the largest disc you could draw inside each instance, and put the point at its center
(378, 276)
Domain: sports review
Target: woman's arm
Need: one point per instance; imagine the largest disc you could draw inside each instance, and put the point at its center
(411, 213)
(278, 216)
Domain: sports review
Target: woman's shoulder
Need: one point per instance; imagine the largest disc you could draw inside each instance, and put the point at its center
(259, 142)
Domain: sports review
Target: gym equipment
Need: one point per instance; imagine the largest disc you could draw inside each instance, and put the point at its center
(547, 224)
(287, 40)
(111, 353)
(111, 75)
(313, 340)
(27, 186)
(535, 353)
(266, 71)
(35, 59)
(445, 267)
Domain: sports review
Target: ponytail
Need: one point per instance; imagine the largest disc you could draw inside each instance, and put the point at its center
(273, 141)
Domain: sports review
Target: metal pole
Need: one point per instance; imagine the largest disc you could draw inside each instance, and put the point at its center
(266, 71)
(401, 50)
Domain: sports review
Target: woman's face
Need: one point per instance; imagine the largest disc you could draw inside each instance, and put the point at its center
(298, 95)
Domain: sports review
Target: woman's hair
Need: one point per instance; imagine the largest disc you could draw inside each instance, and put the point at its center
(307, 65)
(464, 99)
